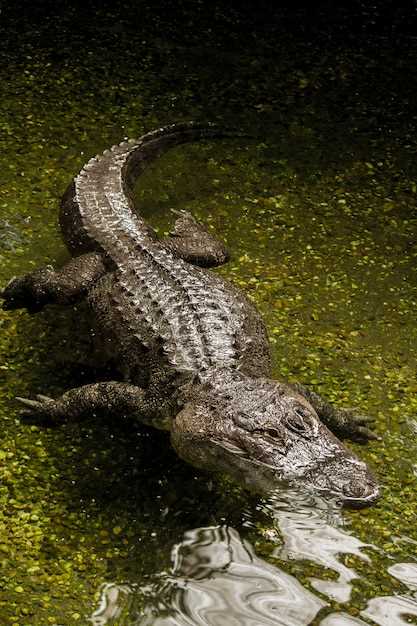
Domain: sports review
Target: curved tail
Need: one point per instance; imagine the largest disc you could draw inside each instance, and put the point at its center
(85, 205)
(150, 146)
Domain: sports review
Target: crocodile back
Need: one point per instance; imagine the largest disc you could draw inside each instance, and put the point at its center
(161, 299)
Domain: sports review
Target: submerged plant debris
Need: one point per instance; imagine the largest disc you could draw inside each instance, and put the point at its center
(319, 213)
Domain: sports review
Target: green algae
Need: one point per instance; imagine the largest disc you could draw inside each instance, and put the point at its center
(319, 215)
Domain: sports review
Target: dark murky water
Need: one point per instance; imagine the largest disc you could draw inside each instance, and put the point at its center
(101, 523)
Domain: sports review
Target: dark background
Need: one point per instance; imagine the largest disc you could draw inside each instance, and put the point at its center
(349, 64)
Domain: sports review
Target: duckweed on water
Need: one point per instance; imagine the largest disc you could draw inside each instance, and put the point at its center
(319, 214)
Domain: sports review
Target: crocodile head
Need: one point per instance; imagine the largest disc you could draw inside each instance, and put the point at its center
(267, 436)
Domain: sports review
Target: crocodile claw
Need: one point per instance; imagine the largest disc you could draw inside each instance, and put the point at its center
(13, 278)
(357, 426)
(37, 411)
(32, 404)
(28, 291)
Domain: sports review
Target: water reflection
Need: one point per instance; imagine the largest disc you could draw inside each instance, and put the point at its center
(393, 610)
(390, 610)
(113, 600)
(311, 529)
(406, 573)
(218, 580)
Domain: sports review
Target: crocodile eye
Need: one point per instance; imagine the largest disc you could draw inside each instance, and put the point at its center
(273, 432)
(300, 421)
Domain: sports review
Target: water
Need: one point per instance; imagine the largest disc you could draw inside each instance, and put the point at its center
(101, 523)
(216, 577)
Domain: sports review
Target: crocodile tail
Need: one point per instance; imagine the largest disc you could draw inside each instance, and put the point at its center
(124, 162)
(192, 130)
(150, 146)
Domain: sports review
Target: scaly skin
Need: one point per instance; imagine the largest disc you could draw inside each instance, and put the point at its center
(191, 349)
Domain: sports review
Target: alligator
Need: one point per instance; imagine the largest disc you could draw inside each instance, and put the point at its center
(191, 350)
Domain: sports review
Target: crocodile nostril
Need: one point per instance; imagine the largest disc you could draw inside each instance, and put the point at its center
(355, 489)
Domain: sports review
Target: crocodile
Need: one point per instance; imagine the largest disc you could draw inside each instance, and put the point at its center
(191, 350)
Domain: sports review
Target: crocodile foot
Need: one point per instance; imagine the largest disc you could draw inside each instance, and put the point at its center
(28, 291)
(350, 423)
(40, 411)
(194, 243)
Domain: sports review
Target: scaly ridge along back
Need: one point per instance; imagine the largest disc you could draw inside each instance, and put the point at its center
(160, 297)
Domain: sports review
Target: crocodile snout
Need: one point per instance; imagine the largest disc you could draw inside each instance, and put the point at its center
(359, 493)
(348, 479)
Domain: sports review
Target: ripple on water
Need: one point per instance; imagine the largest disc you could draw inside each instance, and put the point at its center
(406, 573)
(217, 579)
(113, 599)
(390, 610)
(311, 530)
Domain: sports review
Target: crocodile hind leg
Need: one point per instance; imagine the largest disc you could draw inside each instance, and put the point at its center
(342, 422)
(49, 286)
(112, 398)
(192, 242)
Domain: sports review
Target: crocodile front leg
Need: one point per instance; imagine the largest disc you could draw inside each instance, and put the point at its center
(192, 242)
(111, 398)
(48, 286)
(342, 422)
